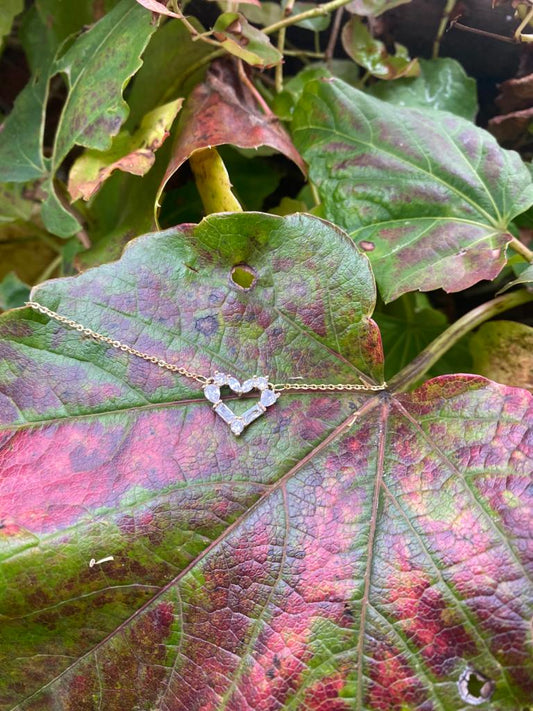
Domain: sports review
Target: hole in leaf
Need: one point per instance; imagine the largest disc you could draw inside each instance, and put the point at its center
(475, 688)
(244, 276)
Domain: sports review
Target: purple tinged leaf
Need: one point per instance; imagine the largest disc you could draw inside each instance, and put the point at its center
(346, 551)
(432, 193)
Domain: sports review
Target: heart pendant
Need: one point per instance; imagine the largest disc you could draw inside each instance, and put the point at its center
(238, 423)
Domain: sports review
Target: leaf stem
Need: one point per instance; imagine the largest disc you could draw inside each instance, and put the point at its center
(281, 47)
(521, 249)
(317, 11)
(448, 9)
(50, 269)
(527, 19)
(212, 181)
(430, 355)
(483, 33)
(304, 53)
(334, 36)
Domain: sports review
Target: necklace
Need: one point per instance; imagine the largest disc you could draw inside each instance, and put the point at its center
(268, 392)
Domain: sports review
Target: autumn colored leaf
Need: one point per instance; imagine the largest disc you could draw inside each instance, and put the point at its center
(129, 153)
(428, 195)
(223, 110)
(348, 551)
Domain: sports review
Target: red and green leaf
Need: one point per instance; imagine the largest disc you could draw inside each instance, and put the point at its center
(428, 195)
(223, 110)
(349, 551)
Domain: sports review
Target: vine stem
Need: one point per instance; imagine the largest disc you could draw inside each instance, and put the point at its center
(281, 46)
(430, 355)
(330, 49)
(521, 249)
(317, 11)
(446, 13)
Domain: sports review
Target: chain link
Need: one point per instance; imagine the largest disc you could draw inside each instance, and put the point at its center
(84, 331)
(338, 387)
(204, 380)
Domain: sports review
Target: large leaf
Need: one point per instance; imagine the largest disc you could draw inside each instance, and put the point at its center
(427, 194)
(350, 551)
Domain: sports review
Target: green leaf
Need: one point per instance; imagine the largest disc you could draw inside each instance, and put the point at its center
(96, 68)
(373, 7)
(443, 84)
(407, 326)
(361, 550)
(285, 101)
(9, 10)
(167, 70)
(503, 351)
(124, 206)
(315, 24)
(267, 14)
(44, 30)
(525, 276)
(130, 153)
(429, 196)
(373, 55)
(240, 38)
(13, 292)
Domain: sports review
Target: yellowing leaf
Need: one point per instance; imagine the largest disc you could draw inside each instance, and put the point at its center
(503, 351)
(129, 153)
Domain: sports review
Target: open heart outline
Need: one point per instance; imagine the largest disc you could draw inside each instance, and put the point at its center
(238, 423)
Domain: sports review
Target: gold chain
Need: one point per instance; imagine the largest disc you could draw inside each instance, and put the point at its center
(84, 331)
(204, 380)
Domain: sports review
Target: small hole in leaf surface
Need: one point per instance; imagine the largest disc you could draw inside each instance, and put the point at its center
(243, 276)
(474, 688)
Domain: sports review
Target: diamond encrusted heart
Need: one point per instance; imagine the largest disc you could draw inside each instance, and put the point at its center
(238, 423)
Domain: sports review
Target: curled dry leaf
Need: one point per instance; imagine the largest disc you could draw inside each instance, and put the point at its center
(224, 110)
